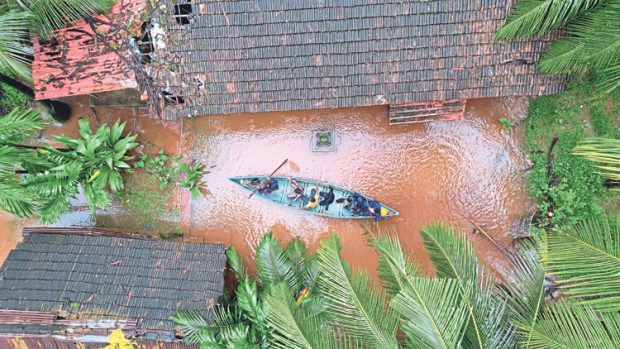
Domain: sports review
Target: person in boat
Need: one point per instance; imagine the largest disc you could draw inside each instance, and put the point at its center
(375, 210)
(267, 186)
(313, 199)
(327, 196)
(359, 205)
(297, 192)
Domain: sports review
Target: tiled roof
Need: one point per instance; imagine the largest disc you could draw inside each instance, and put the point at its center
(32, 342)
(77, 64)
(109, 277)
(273, 55)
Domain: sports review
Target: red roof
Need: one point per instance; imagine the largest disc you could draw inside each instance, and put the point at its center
(77, 64)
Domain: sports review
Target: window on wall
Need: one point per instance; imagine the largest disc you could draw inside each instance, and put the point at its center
(183, 12)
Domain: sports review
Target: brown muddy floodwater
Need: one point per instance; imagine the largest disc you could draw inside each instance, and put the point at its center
(453, 171)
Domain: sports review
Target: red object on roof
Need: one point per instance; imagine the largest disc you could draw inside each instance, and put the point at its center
(77, 64)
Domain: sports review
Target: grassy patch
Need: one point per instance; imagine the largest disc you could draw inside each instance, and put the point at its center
(569, 188)
(149, 206)
(11, 98)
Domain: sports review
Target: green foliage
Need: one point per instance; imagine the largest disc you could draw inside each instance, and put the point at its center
(10, 99)
(14, 44)
(592, 278)
(591, 41)
(41, 179)
(507, 124)
(570, 187)
(169, 169)
(604, 153)
(459, 308)
(49, 15)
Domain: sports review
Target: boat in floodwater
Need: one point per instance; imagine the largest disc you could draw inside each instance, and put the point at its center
(337, 209)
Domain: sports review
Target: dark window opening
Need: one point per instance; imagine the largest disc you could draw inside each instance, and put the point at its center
(173, 100)
(182, 13)
(145, 43)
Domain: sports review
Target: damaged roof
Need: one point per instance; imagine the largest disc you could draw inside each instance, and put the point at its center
(272, 55)
(58, 278)
(78, 63)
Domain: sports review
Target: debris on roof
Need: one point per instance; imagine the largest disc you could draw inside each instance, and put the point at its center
(85, 58)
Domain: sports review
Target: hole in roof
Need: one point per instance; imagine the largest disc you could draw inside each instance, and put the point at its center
(172, 99)
(182, 12)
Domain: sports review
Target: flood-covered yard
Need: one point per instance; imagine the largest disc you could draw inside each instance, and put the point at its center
(460, 172)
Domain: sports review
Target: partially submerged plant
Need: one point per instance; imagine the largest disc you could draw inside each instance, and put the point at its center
(192, 179)
(507, 124)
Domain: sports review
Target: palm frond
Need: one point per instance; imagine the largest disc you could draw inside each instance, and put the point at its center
(17, 199)
(454, 257)
(577, 327)
(194, 327)
(394, 267)
(604, 153)
(272, 264)
(525, 290)
(585, 258)
(252, 309)
(361, 312)
(14, 45)
(304, 271)
(592, 42)
(433, 312)
(49, 15)
(20, 125)
(537, 17)
(236, 264)
(292, 327)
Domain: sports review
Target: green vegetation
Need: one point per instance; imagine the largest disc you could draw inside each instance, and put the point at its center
(21, 19)
(168, 169)
(304, 300)
(566, 187)
(40, 179)
(591, 40)
(148, 205)
(11, 98)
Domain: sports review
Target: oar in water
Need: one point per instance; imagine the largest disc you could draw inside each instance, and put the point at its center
(264, 180)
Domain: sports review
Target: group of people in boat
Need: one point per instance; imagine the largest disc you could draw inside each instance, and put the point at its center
(321, 195)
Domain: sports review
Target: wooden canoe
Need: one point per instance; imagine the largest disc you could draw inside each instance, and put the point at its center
(335, 210)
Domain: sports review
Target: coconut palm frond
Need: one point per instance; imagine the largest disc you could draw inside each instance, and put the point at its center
(304, 271)
(236, 265)
(394, 267)
(525, 290)
(537, 17)
(16, 199)
(454, 257)
(194, 327)
(608, 80)
(252, 309)
(14, 45)
(292, 327)
(360, 312)
(433, 312)
(564, 56)
(585, 258)
(272, 264)
(20, 124)
(604, 153)
(49, 15)
(593, 42)
(569, 326)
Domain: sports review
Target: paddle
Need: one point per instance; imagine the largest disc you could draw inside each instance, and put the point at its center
(263, 181)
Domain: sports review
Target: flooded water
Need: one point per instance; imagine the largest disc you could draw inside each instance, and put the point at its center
(453, 171)
(459, 172)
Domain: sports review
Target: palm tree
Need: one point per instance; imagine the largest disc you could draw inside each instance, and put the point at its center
(462, 307)
(40, 179)
(591, 41)
(604, 153)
